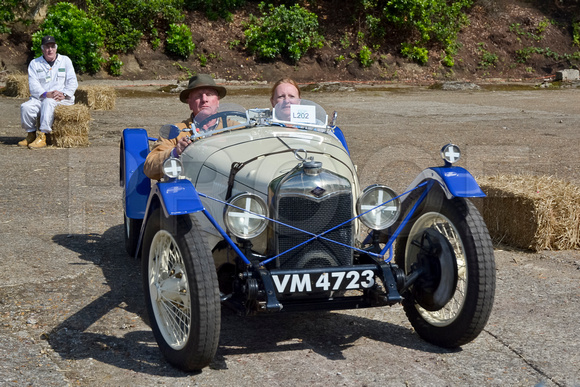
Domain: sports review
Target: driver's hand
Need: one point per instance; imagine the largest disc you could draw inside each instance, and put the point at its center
(182, 143)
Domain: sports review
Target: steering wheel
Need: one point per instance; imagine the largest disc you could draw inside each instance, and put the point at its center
(221, 115)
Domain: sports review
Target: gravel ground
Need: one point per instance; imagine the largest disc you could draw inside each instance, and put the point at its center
(71, 303)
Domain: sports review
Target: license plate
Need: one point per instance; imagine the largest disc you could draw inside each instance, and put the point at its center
(326, 281)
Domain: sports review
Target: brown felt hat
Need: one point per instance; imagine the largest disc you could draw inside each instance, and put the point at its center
(201, 81)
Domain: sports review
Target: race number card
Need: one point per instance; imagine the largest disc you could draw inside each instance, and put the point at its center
(303, 114)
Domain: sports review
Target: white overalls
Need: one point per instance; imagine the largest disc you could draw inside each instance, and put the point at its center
(44, 78)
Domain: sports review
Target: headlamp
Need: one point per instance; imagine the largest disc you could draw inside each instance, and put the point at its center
(379, 206)
(245, 215)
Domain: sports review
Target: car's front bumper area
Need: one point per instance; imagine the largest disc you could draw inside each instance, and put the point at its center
(329, 288)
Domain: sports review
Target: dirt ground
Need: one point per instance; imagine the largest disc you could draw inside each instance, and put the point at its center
(71, 305)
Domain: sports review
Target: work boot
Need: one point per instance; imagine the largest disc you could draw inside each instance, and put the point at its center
(40, 141)
(30, 137)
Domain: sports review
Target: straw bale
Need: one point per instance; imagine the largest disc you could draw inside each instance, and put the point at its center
(96, 97)
(71, 126)
(17, 86)
(531, 212)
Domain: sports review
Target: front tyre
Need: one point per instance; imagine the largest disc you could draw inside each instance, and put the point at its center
(181, 293)
(451, 302)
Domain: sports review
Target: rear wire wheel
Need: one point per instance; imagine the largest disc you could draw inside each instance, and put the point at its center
(181, 290)
(448, 238)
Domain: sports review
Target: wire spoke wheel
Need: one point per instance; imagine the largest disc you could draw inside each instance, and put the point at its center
(169, 290)
(447, 240)
(181, 290)
(444, 227)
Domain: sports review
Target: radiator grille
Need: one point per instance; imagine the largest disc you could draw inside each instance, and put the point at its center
(314, 216)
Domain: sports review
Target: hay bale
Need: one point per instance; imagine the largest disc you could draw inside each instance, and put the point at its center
(96, 97)
(71, 126)
(532, 212)
(17, 86)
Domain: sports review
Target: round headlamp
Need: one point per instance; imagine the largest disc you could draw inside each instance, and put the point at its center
(245, 215)
(379, 207)
(172, 168)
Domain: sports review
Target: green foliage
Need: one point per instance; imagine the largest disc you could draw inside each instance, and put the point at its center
(202, 60)
(214, 9)
(487, 59)
(524, 54)
(8, 10)
(189, 73)
(179, 41)
(448, 61)
(155, 41)
(535, 34)
(414, 52)
(345, 41)
(77, 36)
(126, 21)
(374, 25)
(434, 21)
(364, 55)
(114, 65)
(542, 26)
(233, 44)
(450, 52)
(282, 31)
(576, 33)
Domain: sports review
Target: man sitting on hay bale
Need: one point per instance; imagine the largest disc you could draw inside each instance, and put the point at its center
(52, 81)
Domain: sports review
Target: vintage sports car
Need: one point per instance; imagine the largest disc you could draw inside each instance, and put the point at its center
(263, 212)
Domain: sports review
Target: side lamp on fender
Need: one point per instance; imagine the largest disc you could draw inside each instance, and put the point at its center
(172, 168)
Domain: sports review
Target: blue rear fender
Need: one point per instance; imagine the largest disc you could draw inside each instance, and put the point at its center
(455, 182)
(134, 149)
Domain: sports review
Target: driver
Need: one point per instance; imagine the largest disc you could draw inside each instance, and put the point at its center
(203, 97)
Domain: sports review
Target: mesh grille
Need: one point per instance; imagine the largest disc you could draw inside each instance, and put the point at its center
(314, 216)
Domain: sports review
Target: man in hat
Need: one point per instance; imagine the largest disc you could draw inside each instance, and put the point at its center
(203, 97)
(52, 81)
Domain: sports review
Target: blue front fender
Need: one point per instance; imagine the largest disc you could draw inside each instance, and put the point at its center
(455, 182)
(178, 197)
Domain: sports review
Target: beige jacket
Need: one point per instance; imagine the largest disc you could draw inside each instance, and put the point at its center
(161, 150)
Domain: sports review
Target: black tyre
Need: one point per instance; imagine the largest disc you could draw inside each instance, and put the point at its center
(132, 230)
(450, 304)
(181, 291)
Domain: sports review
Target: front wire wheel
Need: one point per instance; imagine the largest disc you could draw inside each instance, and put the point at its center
(168, 288)
(180, 284)
(465, 266)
